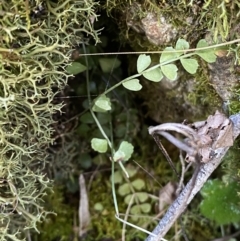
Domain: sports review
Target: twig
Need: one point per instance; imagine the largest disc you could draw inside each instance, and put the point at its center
(161, 147)
(126, 216)
(227, 238)
(188, 193)
(181, 181)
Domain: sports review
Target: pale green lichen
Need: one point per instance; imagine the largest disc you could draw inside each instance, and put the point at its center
(36, 39)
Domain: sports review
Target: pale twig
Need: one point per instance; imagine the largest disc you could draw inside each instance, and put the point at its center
(188, 193)
(181, 181)
(159, 52)
(126, 217)
(229, 237)
(180, 128)
(181, 145)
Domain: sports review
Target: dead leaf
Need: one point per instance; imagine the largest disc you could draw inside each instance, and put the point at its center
(167, 195)
(83, 211)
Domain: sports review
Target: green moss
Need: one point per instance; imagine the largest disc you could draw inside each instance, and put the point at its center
(203, 93)
(231, 164)
(234, 105)
(101, 196)
(103, 222)
(58, 225)
(198, 228)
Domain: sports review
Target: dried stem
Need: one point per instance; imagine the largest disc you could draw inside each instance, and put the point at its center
(198, 179)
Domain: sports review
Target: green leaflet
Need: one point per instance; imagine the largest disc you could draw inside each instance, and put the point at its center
(208, 54)
(143, 62)
(75, 68)
(99, 145)
(154, 75)
(190, 65)
(132, 84)
(170, 71)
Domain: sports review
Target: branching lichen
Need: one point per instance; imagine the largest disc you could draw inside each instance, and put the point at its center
(35, 44)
